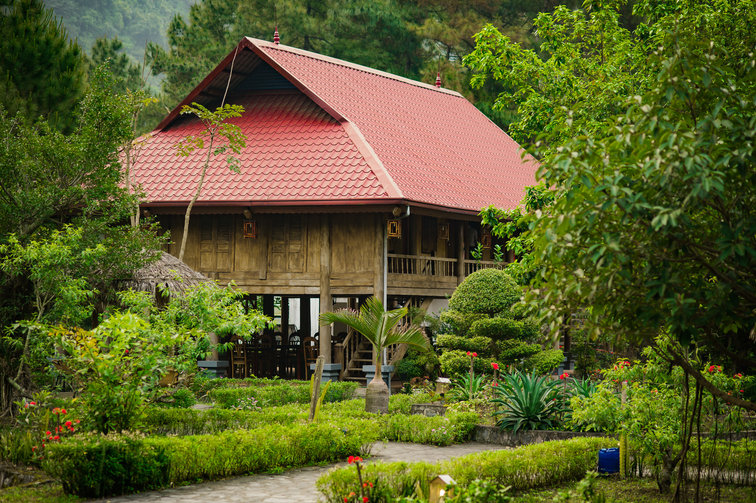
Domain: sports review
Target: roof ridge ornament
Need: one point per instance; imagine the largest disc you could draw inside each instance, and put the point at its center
(438, 79)
(276, 38)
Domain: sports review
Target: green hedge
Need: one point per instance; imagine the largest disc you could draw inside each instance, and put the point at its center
(527, 467)
(511, 351)
(477, 344)
(279, 394)
(498, 329)
(438, 430)
(459, 322)
(131, 464)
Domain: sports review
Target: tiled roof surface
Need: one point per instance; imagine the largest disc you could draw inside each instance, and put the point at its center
(397, 139)
(292, 149)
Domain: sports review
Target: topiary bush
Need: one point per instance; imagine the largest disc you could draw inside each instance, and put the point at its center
(512, 351)
(477, 344)
(408, 369)
(488, 291)
(498, 329)
(459, 322)
(545, 362)
(456, 362)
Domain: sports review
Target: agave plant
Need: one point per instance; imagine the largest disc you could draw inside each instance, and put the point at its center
(468, 386)
(528, 402)
(584, 388)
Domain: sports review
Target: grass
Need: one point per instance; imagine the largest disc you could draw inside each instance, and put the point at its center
(41, 493)
(640, 491)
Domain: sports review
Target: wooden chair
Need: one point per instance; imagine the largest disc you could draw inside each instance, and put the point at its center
(310, 351)
(292, 356)
(267, 355)
(238, 358)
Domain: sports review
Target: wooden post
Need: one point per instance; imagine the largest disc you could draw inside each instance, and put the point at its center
(284, 317)
(379, 265)
(326, 302)
(316, 378)
(304, 316)
(461, 253)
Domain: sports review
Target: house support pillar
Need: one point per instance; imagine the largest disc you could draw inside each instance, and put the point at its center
(461, 253)
(326, 301)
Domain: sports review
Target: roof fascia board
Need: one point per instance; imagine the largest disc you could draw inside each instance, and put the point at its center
(201, 86)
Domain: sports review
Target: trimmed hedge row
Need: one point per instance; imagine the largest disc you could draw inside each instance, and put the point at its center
(527, 467)
(100, 466)
(456, 427)
(279, 394)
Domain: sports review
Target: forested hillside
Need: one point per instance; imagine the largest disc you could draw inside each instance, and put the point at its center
(134, 22)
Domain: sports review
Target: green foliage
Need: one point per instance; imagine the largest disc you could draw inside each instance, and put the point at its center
(181, 398)
(468, 387)
(479, 344)
(545, 362)
(480, 491)
(488, 291)
(459, 322)
(437, 430)
(526, 467)
(455, 362)
(408, 369)
(280, 394)
(504, 328)
(42, 72)
(528, 402)
(513, 352)
(107, 466)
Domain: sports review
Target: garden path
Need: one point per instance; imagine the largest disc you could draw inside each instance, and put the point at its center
(295, 486)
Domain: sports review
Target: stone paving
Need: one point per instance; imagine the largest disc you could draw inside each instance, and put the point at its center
(294, 486)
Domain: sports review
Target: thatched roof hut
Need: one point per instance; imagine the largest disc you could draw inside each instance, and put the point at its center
(167, 275)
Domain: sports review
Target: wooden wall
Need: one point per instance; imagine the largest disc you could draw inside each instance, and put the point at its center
(285, 257)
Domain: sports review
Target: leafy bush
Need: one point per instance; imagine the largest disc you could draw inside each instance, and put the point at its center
(456, 362)
(468, 387)
(279, 394)
(477, 344)
(527, 467)
(436, 430)
(96, 467)
(459, 322)
(488, 291)
(407, 369)
(480, 491)
(402, 404)
(528, 402)
(182, 398)
(545, 362)
(16, 446)
(498, 329)
(513, 351)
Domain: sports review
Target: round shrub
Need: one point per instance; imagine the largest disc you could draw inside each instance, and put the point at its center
(498, 329)
(456, 362)
(477, 344)
(545, 362)
(513, 350)
(460, 322)
(489, 291)
(407, 369)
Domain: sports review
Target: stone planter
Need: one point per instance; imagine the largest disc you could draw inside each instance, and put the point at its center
(428, 409)
(386, 371)
(213, 368)
(331, 371)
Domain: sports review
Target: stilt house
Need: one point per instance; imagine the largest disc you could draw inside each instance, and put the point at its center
(353, 182)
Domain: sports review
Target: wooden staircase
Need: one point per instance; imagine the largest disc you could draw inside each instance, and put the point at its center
(361, 355)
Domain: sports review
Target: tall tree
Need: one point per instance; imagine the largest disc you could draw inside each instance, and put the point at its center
(653, 229)
(41, 72)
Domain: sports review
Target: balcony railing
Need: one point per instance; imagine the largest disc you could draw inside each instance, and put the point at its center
(422, 265)
(476, 265)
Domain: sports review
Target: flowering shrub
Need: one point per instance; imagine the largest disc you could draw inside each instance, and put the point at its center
(247, 403)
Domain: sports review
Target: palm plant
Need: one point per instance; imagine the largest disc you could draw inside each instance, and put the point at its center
(468, 386)
(528, 401)
(382, 328)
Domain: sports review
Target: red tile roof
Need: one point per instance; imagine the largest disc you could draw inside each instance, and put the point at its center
(341, 134)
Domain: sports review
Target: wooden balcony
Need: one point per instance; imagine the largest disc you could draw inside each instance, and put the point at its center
(429, 276)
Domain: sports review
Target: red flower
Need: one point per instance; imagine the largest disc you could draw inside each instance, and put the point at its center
(34, 448)
(346, 499)
(63, 411)
(737, 376)
(564, 376)
(468, 353)
(354, 459)
(475, 355)
(365, 499)
(495, 365)
(78, 421)
(712, 368)
(68, 424)
(32, 403)
(48, 433)
(126, 352)
(56, 437)
(494, 384)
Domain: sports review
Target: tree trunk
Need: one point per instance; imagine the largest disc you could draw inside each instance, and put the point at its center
(377, 393)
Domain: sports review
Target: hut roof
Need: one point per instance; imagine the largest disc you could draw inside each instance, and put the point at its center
(167, 272)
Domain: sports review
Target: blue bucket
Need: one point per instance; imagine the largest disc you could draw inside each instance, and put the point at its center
(608, 460)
